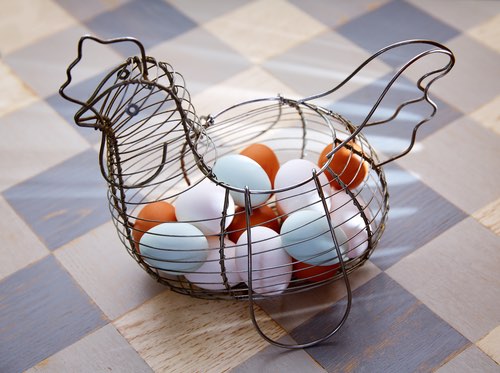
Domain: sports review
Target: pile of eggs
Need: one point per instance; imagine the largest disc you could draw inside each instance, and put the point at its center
(202, 234)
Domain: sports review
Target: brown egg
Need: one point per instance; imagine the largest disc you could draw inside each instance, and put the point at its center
(265, 157)
(263, 216)
(313, 273)
(281, 214)
(151, 215)
(350, 167)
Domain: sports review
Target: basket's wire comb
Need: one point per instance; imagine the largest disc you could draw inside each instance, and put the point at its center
(155, 148)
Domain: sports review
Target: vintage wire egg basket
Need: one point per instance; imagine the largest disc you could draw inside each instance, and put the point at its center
(203, 219)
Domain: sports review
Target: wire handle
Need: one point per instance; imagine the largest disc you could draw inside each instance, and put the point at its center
(435, 74)
(251, 301)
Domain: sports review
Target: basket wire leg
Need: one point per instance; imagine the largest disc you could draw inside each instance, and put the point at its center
(251, 301)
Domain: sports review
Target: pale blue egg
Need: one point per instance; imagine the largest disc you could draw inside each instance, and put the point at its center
(306, 236)
(174, 247)
(239, 171)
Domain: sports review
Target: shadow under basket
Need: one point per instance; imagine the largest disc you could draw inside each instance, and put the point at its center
(207, 226)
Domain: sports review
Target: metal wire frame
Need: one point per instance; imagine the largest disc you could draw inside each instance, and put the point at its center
(154, 148)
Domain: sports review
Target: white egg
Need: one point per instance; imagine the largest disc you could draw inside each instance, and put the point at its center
(209, 275)
(174, 248)
(203, 206)
(346, 215)
(271, 265)
(307, 237)
(239, 171)
(295, 172)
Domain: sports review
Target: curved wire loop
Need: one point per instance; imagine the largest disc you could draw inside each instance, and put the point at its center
(343, 270)
(75, 62)
(424, 88)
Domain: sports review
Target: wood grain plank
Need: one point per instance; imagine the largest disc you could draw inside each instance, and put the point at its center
(64, 202)
(100, 264)
(42, 311)
(489, 216)
(488, 33)
(20, 245)
(490, 344)
(489, 115)
(177, 333)
(327, 62)
(465, 176)
(15, 94)
(417, 215)
(388, 330)
(274, 34)
(252, 83)
(470, 360)
(47, 18)
(103, 350)
(273, 359)
(463, 15)
(35, 146)
(456, 276)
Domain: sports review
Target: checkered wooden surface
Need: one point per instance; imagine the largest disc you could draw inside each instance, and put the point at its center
(71, 299)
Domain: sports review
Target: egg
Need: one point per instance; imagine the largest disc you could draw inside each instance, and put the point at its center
(271, 265)
(239, 171)
(261, 216)
(350, 167)
(152, 214)
(295, 172)
(310, 273)
(347, 216)
(175, 248)
(307, 237)
(209, 275)
(265, 157)
(203, 206)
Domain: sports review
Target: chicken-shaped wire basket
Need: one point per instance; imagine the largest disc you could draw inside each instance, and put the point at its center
(269, 197)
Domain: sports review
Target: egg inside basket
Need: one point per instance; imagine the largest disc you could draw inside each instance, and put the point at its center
(230, 206)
